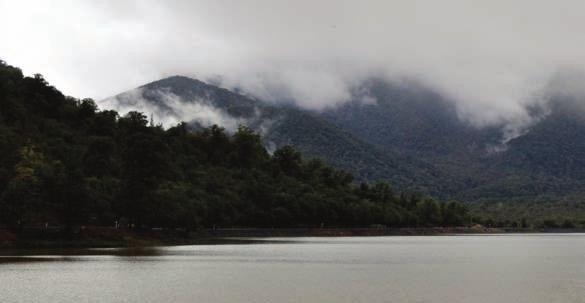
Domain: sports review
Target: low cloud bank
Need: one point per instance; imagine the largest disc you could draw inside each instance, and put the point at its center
(170, 109)
(493, 59)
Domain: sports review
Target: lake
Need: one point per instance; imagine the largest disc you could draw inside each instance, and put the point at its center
(468, 268)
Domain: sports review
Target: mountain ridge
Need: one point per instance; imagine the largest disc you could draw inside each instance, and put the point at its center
(412, 137)
(287, 126)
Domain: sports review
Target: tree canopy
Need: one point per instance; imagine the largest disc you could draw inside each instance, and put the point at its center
(64, 161)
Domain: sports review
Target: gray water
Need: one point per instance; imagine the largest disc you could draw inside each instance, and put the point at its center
(507, 268)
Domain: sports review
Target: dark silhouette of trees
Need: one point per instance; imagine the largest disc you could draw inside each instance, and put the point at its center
(64, 162)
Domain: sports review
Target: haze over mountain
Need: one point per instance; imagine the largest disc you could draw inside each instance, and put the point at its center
(489, 60)
(405, 133)
(497, 163)
(464, 101)
(175, 99)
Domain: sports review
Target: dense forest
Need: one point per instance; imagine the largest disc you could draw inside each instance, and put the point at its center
(64, 162)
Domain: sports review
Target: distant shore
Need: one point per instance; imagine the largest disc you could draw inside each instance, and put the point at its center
(112, 237)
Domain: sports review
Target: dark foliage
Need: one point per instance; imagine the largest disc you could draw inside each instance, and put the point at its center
(64, 162)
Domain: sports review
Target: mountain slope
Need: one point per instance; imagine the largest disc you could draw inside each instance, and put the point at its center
(177, 98)
(409, 135)
(69, 165)
(546, 162)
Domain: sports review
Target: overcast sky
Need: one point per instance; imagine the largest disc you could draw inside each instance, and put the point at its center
(489, 57)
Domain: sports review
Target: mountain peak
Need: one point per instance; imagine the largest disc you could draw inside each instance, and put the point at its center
(176, 81)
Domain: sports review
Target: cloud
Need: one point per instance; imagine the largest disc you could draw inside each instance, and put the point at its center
(493, 59)
(170, 109)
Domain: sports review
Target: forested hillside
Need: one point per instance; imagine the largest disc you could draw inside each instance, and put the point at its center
(64, 162)
(405, 134)
(538, 173)
(200, 104)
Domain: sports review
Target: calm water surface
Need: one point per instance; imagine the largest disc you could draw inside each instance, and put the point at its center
(507, 268)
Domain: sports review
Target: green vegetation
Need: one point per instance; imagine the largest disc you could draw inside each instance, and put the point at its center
(415, 140)
(539, 175)
(282, 125)
(536, 214)
(64, 162)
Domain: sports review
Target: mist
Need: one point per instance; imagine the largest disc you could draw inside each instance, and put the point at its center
(172, 109)
(492, 59)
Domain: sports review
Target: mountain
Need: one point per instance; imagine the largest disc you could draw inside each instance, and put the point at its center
(178, 98)
(66, 164)
(546, 162)
(406, 134)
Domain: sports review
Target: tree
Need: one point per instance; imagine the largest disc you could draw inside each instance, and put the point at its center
(248, 149)
(429, 213)
(86, 109)
(145, 158)
(217, 145)
(99, 158)
(133, 123)
(23, 197)
(288, 160)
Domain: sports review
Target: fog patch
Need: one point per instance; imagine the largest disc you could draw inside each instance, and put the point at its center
(170, 109)
(488, 59)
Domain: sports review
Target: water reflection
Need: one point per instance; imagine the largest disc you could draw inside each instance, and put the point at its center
(20, 255)
(506, 268)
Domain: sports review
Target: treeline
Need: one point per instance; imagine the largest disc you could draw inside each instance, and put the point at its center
(66, 163)
(540, 214)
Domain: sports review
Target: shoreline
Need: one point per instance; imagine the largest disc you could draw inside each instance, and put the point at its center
(100, 237)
